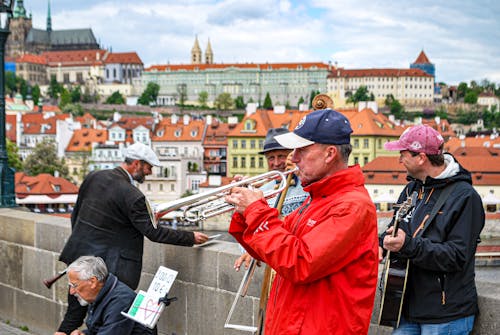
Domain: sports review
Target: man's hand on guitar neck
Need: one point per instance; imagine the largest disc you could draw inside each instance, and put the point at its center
(394, 243)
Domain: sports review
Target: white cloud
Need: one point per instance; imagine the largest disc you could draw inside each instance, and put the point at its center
(459, 36)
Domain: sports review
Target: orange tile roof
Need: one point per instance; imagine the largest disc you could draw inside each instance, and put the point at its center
(75, 57)
(11, 133)
(82, 139)
(216, 134)
(166, 131)
(443, 127)
(265, 119)
(388, 170)
(422, 58)
(38, 123)
(343, 73)
(86, 119)
(368, 123)
(257, 66)
(43, 184)
(468, 142)
(132, 122)
(32, 59)
(51, 108)
(123, 58)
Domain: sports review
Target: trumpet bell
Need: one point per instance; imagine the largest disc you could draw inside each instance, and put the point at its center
(199, 207)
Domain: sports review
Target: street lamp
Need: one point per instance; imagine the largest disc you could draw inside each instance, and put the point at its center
(7, 187)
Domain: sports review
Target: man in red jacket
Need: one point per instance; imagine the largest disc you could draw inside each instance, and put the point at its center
(325, 253)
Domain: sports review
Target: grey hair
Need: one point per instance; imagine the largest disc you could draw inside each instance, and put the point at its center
(345, 150)
(88, 267)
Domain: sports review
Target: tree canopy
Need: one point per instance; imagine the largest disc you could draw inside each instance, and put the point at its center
(12, 156)
(361, 94)
(268, 103)
(224, 101)
(43, 159)
(149, 95)
(115, 99)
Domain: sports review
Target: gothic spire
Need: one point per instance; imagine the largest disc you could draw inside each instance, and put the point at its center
(49, 18)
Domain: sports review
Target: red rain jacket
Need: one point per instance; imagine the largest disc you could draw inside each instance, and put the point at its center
(325, 254)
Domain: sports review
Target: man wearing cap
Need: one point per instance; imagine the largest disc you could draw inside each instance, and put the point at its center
(441, 295)
(110, 220)
(325, 253)
(277, 160)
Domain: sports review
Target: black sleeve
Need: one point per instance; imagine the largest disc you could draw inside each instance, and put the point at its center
(140, 219)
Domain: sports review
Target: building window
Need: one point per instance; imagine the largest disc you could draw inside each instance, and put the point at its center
(365, 143)
(252, 144)
(356, 160)
(235, 144)
(261, 162)
(365, 160)
(243, 162)
(356, 143)
(235, 162)
(243, 144)
(252, 162)
(195, 185)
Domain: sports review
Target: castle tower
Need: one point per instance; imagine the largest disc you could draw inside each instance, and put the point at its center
(196, 52)
(49, 19)
(423, 63)
(19, 26)
(209, 54)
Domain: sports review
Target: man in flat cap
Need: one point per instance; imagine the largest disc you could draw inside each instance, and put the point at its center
(110, 220)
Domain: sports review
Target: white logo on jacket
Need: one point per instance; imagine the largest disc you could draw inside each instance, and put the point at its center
(263, 226)
(311, 223)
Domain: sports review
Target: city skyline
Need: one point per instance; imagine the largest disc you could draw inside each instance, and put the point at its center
(459, 37)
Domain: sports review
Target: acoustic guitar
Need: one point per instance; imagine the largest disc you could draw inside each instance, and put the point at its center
(394, 276)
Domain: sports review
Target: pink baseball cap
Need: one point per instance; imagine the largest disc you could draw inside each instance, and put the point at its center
(419, 138)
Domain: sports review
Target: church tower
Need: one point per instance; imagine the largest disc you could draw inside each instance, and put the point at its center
(19, 26)
(196, 52)
(209, 54)
(49, 19)
(423, 63)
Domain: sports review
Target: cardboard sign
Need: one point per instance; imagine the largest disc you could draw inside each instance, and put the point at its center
(146, 308)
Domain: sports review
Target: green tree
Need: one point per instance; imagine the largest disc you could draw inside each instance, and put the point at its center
(10, 83)
(301, 101)
(76, 94)
(268, 103)
(311, 98)
(182, 94)
(461, 90)
(54, 88)
(65, 98)
(115, 99)
(43, 159)
(471, 97)
(73, 109)
(239, 103)
(361, 94)
(224, 101)
(13, 158)
(35, 94)
(149, 95)
(203, 98)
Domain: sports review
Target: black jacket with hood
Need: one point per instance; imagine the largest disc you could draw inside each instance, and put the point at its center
(441, 285)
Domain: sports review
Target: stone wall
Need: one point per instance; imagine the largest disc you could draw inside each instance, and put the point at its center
(205, 286)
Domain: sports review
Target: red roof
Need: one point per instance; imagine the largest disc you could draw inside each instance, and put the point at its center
(422, 58)
(124, 58)
(33, 59)
(179, 132)
(82, 139)
(43, 184)
(11, 120)
(343, 73)
(39, 123)
(260, 66)
(75, 57)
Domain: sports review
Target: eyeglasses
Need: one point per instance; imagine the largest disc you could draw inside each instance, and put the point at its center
(74, 286)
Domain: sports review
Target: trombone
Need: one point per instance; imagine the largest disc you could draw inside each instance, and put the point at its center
(199, 207)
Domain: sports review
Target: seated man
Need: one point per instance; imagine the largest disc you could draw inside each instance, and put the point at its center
(106, 296)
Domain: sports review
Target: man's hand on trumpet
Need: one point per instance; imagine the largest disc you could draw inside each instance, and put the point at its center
(242, 197)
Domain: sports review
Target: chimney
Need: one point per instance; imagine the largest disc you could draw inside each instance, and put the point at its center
(209, 120)
(251, 108)
(185, 119)
(437, 119)
(174, 119)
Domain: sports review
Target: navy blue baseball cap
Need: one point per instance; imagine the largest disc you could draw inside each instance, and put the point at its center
(324, 126)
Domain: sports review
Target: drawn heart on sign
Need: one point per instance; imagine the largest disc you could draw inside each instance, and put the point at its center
(150, 310)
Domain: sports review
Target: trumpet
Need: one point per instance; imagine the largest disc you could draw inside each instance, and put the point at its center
(199, 207)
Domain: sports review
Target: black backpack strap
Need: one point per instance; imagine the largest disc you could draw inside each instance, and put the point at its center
(437, 206)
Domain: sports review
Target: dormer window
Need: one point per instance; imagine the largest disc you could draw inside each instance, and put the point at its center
(178, 133)
(194, 133)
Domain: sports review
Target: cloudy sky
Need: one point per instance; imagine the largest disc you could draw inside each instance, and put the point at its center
(461, 37)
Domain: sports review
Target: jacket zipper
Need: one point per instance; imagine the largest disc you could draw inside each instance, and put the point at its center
(443, 293)
(301, 211)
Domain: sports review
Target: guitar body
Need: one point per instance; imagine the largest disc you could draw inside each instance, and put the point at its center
(394, 286)
(394, 276)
